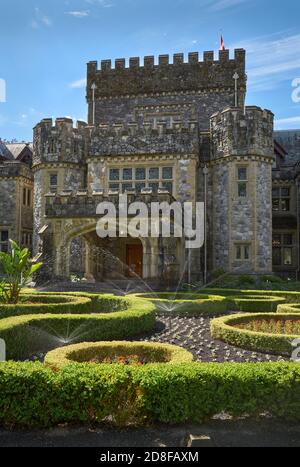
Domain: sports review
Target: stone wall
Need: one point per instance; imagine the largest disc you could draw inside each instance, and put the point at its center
(14, 215)
(290, 140)
(195, 89)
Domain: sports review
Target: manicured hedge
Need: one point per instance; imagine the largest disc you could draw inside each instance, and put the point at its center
(186, 304)
(44, 303)
(34, 396)
(197, 304)
(254, 303)
(289, 308)
(225, 330)
(290, 297)
(25, 335)
(154, 352)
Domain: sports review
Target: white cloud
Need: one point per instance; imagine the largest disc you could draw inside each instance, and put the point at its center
(102, 3)
(81, 83)
(224, 4)
(271, 60)
(287, 122)
(40, 19)
(78, 14)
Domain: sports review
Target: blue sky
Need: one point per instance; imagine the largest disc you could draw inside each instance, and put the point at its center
(45, 45)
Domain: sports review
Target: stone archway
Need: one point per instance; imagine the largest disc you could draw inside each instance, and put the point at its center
(64, 233)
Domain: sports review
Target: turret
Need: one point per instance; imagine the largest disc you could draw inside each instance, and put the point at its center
(60, 142)
(242, 157)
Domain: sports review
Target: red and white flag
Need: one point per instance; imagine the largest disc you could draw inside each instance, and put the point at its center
(222, 43)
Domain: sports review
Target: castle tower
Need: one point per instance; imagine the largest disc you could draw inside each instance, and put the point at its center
(59, 150)
(172, 88)
(241, 171)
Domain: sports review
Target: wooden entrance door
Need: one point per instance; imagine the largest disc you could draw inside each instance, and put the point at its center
(134, 259)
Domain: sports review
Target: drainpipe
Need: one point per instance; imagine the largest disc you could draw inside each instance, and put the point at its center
(205, 173)
(298, 229)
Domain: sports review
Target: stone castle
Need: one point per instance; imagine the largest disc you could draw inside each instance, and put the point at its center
(160, 132)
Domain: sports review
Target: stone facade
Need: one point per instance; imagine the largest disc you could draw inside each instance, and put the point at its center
(163, 132)
(16, 206)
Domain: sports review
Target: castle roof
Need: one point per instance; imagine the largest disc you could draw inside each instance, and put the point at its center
(16, 149)
(5, 154)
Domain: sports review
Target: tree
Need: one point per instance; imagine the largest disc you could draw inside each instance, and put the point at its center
(18, 270)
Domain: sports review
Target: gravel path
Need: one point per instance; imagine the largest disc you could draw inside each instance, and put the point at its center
(194, 335)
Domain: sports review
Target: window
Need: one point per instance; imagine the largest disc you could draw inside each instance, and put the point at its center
(140, 174)
(139, 187)
(114, 186)
(242, 252)
(154, 186)
(242, 181)
(281, 199)
(53, 182)
(129, 178)
(127, 187)
(154, 173)
(127, 174)
(283, 249)
(114, 174)
(4, 237)
(28, 198)
(168, 186)
(167, 173)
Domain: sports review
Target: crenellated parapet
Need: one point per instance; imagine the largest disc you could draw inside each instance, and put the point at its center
(165, 76)
(59, 141)
(159, 137)
(15, 169)
(235, 132)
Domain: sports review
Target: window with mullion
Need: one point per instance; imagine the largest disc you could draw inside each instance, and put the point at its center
(4, 238)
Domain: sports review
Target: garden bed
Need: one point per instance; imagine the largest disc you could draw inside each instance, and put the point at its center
(136, 353)
(25, 335)
(258, 331)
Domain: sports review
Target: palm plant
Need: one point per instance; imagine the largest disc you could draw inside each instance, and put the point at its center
(18, 270)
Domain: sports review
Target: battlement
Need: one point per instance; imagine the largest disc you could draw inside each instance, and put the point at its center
(84, 204)
(159, 128)
(177, 137)
(59, 141)
(237, 132)
(15, 169)
(61, 122)
(150, 77)
(164, 60)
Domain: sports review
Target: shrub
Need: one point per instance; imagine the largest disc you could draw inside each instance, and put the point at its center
(245, 279)
(226, 329)
(289, 308)
(41, 332)
(187, 304)
(43, 303)
(272, 279)
(84, 352)
(18, 270)
(254, 303)
(34, 396)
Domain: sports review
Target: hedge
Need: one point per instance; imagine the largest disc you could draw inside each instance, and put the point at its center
(291, 297)
(254, 303)
(281, 344)
(289, 308)
(44, 303)
(34, 396)
(25, 335)
(192, 305)
(154, 352)
(197, 304)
